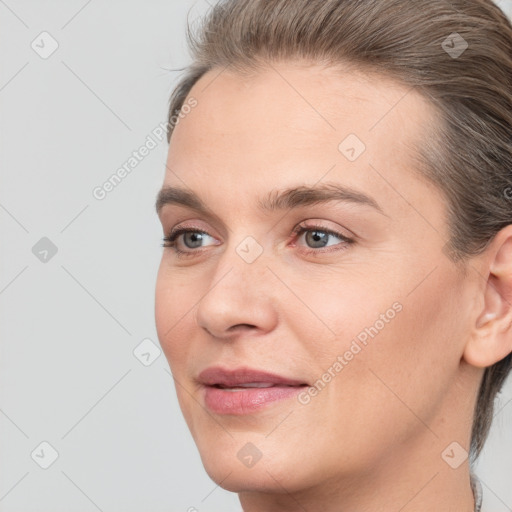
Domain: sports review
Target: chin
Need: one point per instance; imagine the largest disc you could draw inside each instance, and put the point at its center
(234, 477)
(227, 461)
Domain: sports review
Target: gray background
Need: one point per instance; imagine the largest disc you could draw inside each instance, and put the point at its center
(71, 321)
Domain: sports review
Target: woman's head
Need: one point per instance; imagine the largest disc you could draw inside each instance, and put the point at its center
(397, 296)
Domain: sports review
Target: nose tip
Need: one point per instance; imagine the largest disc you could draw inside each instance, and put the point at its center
(237, 305)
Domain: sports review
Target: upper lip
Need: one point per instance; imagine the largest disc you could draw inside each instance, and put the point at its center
(215, 375)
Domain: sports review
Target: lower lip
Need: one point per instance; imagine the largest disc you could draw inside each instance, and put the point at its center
(248, 400)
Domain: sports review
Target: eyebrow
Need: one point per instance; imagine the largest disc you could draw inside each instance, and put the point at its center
(289, 198)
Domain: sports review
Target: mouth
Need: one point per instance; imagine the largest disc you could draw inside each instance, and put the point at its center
(260, 385)
(244, 390)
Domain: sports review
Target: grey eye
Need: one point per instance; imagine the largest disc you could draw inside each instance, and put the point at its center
(317, 239)
(192, 239)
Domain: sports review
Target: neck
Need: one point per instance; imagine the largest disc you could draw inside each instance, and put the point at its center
(414, 479)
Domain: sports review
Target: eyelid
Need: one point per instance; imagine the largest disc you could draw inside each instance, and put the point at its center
(179, 230)
(312, 225)
(298, 230)
(343, 245)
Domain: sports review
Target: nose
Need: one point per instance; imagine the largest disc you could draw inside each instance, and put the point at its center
(240, 299)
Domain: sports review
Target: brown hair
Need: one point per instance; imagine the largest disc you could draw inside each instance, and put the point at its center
(412, 41)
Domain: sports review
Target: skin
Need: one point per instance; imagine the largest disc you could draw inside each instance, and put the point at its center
(373, 438)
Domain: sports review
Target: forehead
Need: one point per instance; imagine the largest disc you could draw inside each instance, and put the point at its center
(293, 109)
(292, 123)
(303, 102)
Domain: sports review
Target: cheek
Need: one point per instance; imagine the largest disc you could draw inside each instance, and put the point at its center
(173, 306)
(392, 317)
(415, 357)
(173, 310)
(379, 339)
(336, 313)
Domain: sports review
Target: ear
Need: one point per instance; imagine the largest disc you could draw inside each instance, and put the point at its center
(491, 336)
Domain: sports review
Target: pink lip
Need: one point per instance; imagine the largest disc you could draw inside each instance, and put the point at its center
(248, 400)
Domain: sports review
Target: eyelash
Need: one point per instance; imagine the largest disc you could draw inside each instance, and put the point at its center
(170, 240)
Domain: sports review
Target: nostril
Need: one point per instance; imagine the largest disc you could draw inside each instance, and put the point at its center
(242, 327)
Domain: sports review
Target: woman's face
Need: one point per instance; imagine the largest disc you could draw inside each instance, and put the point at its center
(345, 293)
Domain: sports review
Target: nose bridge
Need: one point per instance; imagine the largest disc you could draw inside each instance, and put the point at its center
(241, 268)
(238, 292)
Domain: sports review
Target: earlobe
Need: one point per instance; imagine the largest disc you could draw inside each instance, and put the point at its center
(491, 336)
